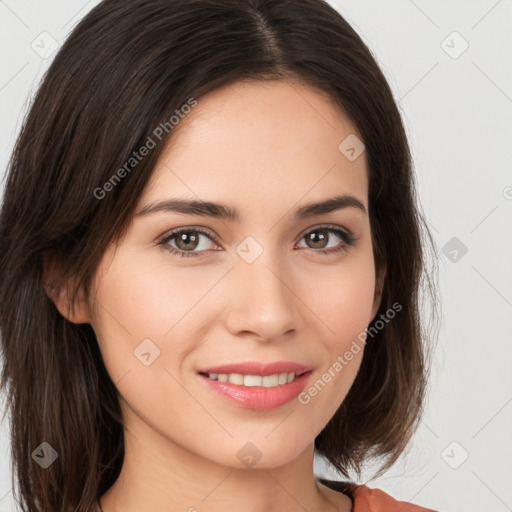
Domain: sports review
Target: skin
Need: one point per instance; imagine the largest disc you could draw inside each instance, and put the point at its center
(266, 149)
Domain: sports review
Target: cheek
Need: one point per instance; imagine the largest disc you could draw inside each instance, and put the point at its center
(139, 299)
(126, 311)
(344, 310)
(343, 300)
(141, 296)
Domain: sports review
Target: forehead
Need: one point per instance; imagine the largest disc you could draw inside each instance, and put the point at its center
(260, 141)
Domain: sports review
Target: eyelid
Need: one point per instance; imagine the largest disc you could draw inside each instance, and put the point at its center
(326, 226)
(169, 235)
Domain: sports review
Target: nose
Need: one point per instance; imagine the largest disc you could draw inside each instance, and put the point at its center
(262, 303)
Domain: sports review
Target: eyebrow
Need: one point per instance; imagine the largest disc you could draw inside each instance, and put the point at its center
(224, 212)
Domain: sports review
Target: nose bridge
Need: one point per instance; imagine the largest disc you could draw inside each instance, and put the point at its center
(263, 302)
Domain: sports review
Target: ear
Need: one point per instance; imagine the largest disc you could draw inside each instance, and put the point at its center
(58, 290)
(379, 287)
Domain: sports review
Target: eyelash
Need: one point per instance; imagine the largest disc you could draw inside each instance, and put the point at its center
(347, 237)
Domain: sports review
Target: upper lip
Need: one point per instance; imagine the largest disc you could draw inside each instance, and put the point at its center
(257, 368)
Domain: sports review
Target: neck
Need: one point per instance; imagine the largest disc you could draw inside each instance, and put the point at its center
(160, 475)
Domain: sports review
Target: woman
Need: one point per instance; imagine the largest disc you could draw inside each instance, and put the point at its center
(210, 265)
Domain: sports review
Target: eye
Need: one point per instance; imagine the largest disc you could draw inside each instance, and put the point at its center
(319, 236)
(188, 239)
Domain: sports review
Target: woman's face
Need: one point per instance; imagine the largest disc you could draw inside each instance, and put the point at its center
(253, 289)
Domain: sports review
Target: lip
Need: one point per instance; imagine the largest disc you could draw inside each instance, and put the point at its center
(257, 368)
(257, 397)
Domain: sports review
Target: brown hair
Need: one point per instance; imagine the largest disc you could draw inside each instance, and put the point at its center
(122, 72)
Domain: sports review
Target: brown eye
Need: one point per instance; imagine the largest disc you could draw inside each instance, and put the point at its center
(186, 242)
(319, 238)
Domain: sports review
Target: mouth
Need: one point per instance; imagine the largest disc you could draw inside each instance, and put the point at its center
(256, 386)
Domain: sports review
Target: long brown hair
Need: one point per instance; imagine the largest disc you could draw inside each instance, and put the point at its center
(125, 69)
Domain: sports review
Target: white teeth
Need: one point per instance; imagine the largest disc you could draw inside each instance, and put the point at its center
(253, 380)
(266, 381)
(236, 378)
(283, 378)
(270, 381)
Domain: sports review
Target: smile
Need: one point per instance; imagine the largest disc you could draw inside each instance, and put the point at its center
(261, 392)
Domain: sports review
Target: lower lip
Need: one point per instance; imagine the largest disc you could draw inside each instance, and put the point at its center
(258, 397)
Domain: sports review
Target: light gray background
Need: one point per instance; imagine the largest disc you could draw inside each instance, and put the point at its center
(458, 111)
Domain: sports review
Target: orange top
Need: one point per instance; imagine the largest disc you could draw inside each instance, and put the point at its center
(375, 500)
